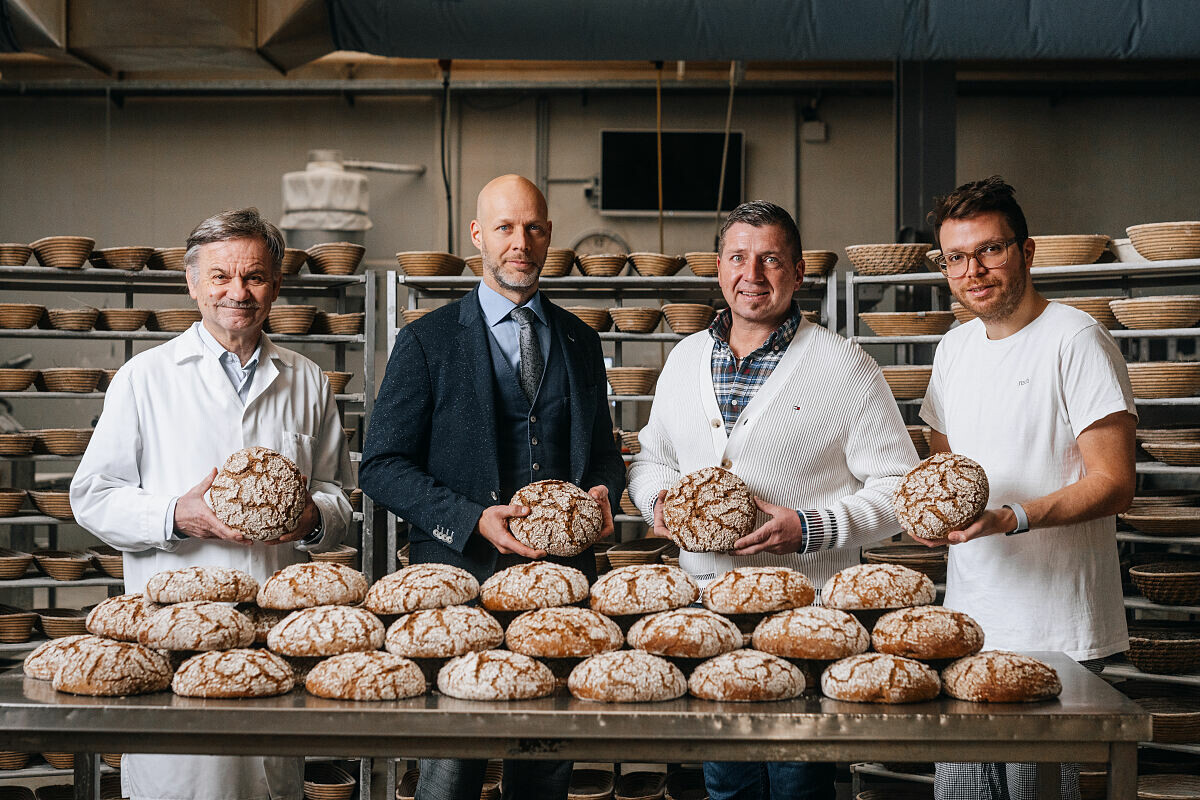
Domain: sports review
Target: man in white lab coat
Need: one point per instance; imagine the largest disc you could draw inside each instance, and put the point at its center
(171, 416)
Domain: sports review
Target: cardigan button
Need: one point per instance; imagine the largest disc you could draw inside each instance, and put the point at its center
(716, 423)
(726, 463)
(495, 496)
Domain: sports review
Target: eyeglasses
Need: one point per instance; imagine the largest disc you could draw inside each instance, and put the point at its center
(990, 255)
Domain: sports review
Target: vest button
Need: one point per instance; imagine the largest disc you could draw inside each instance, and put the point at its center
(533, 441)
(536, 466)
(716, 423)
(726, 463)
(533, 418)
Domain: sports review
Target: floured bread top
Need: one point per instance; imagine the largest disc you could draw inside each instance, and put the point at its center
(233, 673)
(746, 675)
(758, 590)
(104, 667)
(365, 676)
(685, 633)
(563, 632)
(927, 632)
(443, 632)
(626, 676)
(259, 493)
(421, 586)
(945, 492)
(880, 678)
(708, 510)
(643, 589)
(326, 631)
(218, 584)
(999, 676)
(564, 520)
(495, 675)
(119, 617)
(197, 625)
(819, 634)
(316, 583)
(877, 586)
(46, 658)
(538, 584)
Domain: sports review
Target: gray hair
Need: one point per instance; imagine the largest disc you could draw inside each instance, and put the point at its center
(244, 223)
(759, 213)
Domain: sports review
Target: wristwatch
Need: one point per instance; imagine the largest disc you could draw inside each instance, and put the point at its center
(1022, 518)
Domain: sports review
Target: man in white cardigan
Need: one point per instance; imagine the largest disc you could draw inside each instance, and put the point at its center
(803, 416)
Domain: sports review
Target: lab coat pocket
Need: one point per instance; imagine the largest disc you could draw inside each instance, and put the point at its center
(300, 449)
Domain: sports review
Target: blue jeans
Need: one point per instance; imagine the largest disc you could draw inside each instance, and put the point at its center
(462, 779)
(772, 780)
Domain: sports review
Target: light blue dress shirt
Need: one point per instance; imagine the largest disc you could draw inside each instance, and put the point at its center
(240, 377)
(497, 312)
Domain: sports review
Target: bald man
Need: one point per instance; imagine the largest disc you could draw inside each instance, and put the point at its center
(481, 397)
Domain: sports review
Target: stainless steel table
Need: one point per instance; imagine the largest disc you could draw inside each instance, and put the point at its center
(1090, 722)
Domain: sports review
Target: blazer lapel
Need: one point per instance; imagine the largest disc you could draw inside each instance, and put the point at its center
(477, 366)
(582, 393)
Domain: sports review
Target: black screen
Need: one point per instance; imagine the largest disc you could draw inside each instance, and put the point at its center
(691, 171)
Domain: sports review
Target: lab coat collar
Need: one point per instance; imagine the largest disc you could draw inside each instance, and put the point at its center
(189, 345)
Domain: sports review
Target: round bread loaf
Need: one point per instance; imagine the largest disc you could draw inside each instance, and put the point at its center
(263, 619)
(708, 510)
(877, 586)
(998, 676)
(46, 658)
(365, 676)
(104, 667)
(626, 676)
(537, 584)
(746, 676)
(643, 589)
(685, 633)
(198, 625)
(927, 633)
(421, 586)
(443, 632)
(119, 617)
(758, 590)
(880, 678)
(326, 631)
(218, 584)
(563, 632)
(943, 493)
(259, 493)
(495, 675)
(233, 673)
(563, 520)
(315, 583)
(814, 633)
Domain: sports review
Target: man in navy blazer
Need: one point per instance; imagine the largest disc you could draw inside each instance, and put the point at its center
(462, 421)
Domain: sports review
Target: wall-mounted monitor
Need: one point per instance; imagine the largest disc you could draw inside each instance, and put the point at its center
(691, 172)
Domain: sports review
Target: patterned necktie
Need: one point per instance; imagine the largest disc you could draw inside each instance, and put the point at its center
(531, 353)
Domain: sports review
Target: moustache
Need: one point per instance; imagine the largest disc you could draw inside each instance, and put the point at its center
(244, 305)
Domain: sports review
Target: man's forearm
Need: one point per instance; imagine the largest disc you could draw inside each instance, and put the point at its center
(1089, 498)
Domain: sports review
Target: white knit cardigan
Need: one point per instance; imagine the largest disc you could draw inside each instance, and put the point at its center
(823, 433)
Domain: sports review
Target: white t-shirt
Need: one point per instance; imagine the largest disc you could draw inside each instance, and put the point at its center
(1016, 405)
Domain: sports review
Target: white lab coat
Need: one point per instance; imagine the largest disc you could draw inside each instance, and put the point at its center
(170, 416)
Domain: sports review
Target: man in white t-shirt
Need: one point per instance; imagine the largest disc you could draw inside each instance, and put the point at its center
(1038, 393)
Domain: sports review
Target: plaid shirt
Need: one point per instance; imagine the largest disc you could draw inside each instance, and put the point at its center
(736, 382)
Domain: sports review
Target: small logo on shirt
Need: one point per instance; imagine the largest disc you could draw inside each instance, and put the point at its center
(1023, 382)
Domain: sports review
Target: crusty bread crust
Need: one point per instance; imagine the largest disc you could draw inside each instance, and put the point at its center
(880, 678)
(626, 676)
(316, 583)
(198, 625)
(877, 586)
(218, 584)
(107, 668)
(685, 633)
(746, 676)
(927, 633)
(233, 673)
(421, 586)
(443, 632)
(643, 589)
(120, 617)
(943, 493)
(999, 676)
(259, 493)
(537, 584)
(814, 633)
(563, 632)
(563, 520)
(758, 590)
(326, 631)
(366, 676)
(47, 657)
(495, 675)
(708, 510)
(263, 619)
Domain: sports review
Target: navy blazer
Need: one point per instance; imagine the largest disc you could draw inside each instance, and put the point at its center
(430, 455)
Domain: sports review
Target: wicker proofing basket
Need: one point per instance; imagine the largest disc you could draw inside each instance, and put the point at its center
(338, 258)
(1164, 521)
(122, 319)
(53, 504)
(475, 264)
(429, 263)
(595, 318)
(1170, 583)
(961, 313)
(887, 259)
(343, 554)
(1165, 241)
(604, 265)
(294, 320)
(16, 380)
(637, 551)
(640, 786)
(356, 498)
(627, 505)
(61, 441)
(702, 265)
(632, 380)
(323, 781)
(1167, 311)
(411, 315)
(338, 380)
(16, 625)
(64, 252)
(1176, 720)
(170, 258)
(1068, 249)
(73, 319)
(126, 258)
(908, 323)
(559, 261)
(293, 260)
(11, 501)
(631, 441)
(590, 784)
(16, 444)
(20, 315)
(406, 788)
(108, 559)
(173, 319)
(1097, 307)
(71, 379)
(658, 265)
(62, 565)
(13, 760)
(14, 564)
(1164, 649)
(350, 324)
(818, 263)
(929, 560)
(688, 318)
(920, 439)
(1168, 787)
(59, 622)
(14, 254)
(635, 319)
(1156, 379)
(908, 382)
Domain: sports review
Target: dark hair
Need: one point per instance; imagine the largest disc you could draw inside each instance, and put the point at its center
(244, 223)
(979, 197)
(758, 213)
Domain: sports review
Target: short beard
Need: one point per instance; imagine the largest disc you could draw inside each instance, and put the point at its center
(1007, 304)
(490, 267)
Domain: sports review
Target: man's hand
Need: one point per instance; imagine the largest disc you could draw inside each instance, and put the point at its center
(310, 518)
(493, 526)
(600, 495)
(908, 537)
(195, 519)
(782, 533)
(1000, 520)
(660, 527)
